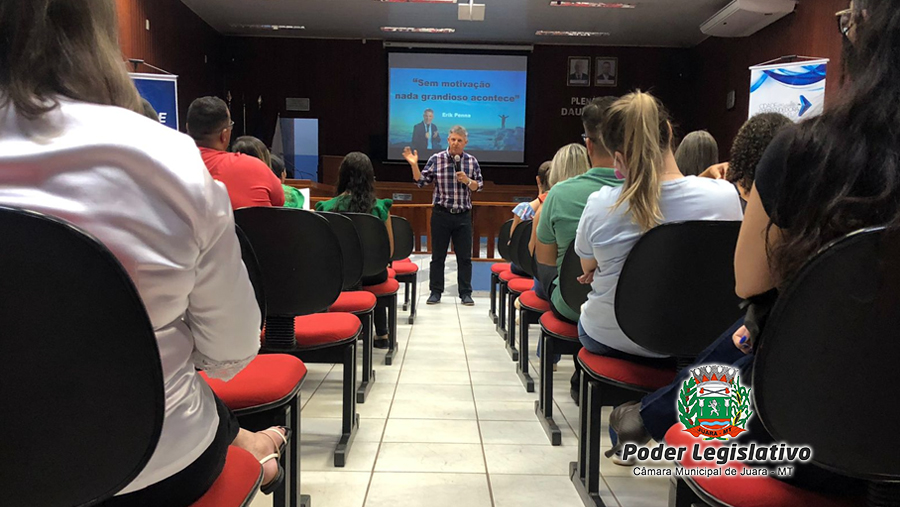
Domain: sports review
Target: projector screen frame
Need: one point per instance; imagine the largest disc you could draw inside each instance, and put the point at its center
(460, 50)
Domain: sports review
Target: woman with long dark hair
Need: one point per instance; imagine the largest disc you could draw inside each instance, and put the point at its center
(73, 145)
(356, 194)
(253, 146)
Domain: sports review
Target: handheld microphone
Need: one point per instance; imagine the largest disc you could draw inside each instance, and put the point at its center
(456, 160)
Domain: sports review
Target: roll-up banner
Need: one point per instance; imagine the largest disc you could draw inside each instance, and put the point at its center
(796, 90)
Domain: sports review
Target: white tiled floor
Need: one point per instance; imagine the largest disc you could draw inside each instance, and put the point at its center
(449, 424)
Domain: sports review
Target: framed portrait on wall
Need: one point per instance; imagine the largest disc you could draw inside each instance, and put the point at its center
(607, 71)
(578, 72)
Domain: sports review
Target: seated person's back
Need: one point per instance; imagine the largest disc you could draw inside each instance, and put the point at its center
(250, 182)
(171, 227)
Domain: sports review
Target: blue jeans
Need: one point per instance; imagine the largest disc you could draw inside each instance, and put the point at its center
(539, 290)
(595, 347)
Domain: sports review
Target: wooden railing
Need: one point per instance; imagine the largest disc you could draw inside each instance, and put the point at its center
(487, 217)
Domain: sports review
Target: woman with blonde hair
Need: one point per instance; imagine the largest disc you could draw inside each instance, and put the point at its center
(74, 145)
(571, 160)
(637, 132)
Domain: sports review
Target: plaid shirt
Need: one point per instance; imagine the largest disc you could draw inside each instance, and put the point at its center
(448, 192)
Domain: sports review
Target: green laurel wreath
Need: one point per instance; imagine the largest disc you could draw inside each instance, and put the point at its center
(685, 398)
(740, 399)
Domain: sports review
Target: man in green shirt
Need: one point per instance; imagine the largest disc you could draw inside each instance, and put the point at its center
(562, 210)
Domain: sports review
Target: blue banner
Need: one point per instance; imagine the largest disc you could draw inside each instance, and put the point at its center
(796, 90)
(161, 91)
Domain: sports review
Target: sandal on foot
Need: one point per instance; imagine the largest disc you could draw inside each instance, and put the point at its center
(284, 436)
(269, 487)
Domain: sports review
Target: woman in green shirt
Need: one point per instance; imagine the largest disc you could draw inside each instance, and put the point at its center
(249, 145)
(356, 194)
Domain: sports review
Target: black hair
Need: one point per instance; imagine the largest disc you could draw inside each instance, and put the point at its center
(356, 177)
(278, 165)
(847, 173)
(249, 145)
(750, 144)
(592, 116)
(206, 116)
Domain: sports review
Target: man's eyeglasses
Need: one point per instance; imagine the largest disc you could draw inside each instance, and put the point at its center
(845, 21)
(585, 137)
(230, 125)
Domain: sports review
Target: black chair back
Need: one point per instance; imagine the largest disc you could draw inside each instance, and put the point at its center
(300, 258)
(403, 238)
(825, 365)
(254, 272)
(523, 254)
(81, 383)
(375, 242)
(518, 236)
(574, 293)
(675, 294)
(351, 247)
(503, 239)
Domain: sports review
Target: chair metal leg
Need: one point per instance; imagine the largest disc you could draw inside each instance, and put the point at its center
(492, 313)
(405, 296)
(392, 329)
(501, 308)
(511, 326)
(522, 368)
(350, 419)
(412, 303)
(543, 407)
(368, 373)
(585, 473)
(681, 494)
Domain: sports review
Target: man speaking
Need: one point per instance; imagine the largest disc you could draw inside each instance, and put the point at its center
(426, 137)
(456, 175)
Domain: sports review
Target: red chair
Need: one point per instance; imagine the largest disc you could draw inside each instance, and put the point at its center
(674, 296)
(531, 309)
(353, 300)
(514, 287)
(406, 272)
(376, 249)
(498, 268)
(302, 270)
(113, 401)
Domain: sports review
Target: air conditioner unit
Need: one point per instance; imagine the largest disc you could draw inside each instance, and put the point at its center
(742, 18)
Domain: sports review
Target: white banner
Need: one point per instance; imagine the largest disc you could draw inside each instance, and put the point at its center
(796, 90)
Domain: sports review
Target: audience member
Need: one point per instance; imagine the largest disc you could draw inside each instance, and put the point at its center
(356, 193)
(697, 152)
(249, 181)
(558, 218)
(526, 210)
(73, 145)
(637, 131)
(818, 181)
(569, 161)
(249, 145)
(749, 145)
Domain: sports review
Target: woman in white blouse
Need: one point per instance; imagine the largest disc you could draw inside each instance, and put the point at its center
(637, 131)
(72, 146)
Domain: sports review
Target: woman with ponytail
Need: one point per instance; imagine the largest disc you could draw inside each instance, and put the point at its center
(356, 194)
(637, 132)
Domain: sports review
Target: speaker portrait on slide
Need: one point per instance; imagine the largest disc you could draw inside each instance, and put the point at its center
(607, 71)
(426, 137)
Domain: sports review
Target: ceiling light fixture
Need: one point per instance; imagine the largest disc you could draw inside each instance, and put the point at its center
(563, 33)
(409, 29)
(269, 27)
(605, 5)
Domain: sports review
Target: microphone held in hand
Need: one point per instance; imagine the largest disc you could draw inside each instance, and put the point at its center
(456, 162)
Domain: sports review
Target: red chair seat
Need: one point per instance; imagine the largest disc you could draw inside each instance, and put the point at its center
(238, 482)
(553, 325)
(530, 301)
(392, 273)
(748, 491)
(268, 379)
(520, 285)
(359, 301)
(405, 268)
(499, 267)
(626, 372)
(506, 276)
(391, 286)
(323, 328)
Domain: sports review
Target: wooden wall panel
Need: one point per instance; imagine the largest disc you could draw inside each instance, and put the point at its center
(722, 64)
(178, 41)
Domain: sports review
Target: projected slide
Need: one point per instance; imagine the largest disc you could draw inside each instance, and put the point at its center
(430, 93)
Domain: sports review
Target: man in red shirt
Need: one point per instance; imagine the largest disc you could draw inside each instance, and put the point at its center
(248, 180)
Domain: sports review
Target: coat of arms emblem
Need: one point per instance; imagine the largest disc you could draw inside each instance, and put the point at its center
(713, 404)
